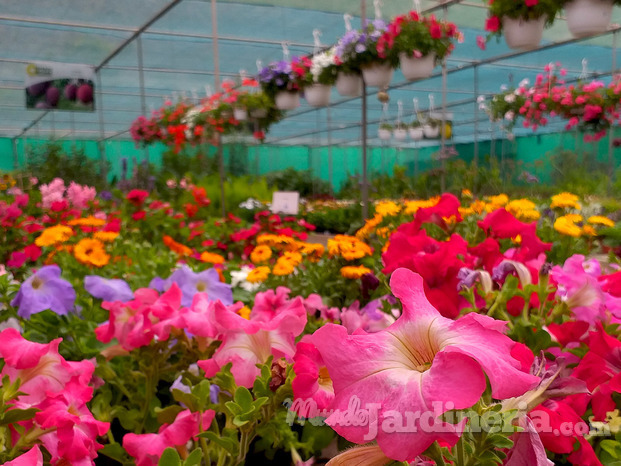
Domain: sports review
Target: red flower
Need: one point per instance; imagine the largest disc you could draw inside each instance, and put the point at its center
(139, 215)
(438, 214)
(137, 196)
(492, 24)
(531, 3)
(191, 209)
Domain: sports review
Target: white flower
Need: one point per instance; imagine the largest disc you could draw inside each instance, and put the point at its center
(510, 98)
(503, 88)
(510, 115)
(238, 278)
(524, 82)
(481, 99)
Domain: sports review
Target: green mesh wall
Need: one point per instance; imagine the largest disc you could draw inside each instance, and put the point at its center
(531, 154)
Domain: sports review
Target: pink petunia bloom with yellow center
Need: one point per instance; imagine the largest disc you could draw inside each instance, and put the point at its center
(415, 370)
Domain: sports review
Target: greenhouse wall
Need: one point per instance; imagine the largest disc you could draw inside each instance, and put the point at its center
(526, 154)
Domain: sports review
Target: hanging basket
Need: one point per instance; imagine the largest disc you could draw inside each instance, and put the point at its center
(414, 68)
(349, 85)
(588, 17)
(384, 134)
(258, 113)
(431, 132)
(523, 34)
(378, 74)
(400, 134)
(318, 95)
(416, 134)
(240, 114)
(287, 100)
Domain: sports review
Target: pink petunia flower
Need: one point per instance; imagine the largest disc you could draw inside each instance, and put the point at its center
(423, 364)
(32, 457)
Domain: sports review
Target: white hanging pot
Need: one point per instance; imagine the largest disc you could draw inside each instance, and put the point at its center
(416, 134)
(349, 85)
(378, 74)
(523, 34)
(417, 68)
(588, 17)
(318, 95)
(400, 134)
(258, 113)
(240, 114)
(287, 100)
(384, 134)
(431, 132)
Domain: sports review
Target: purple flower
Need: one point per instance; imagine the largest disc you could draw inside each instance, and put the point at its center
(108, 289)
(105, 195)
(214, 391)
(207, 281)
(360, 48)
(44, 290)
(158, 284)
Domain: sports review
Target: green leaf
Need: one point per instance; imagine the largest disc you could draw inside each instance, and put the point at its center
(167, 415)
(227, 443)
(243, 398)
(194, 459)
(114, 451)
(170, 457)
(17, 415)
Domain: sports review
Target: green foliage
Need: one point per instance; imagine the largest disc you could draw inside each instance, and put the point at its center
(302, 181)
(51, 160)
(518, 9)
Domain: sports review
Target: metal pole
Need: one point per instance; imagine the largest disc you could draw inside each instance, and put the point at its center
(102, 130)
(15, 156)
(216, 77)
(330, 167)
(143, 102)
(364, 187)
(443, 123)
(476, 116)
(611, 131)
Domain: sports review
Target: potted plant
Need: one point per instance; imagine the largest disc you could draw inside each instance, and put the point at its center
(431, 128)
(588, 17)
(415, 131)
(385, 131)
(281, 82)
(357, 50)
(256, 104)
(521, 21)
(320, 78)
(418, 41)
(400, 131)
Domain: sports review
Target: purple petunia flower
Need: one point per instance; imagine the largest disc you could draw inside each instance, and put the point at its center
(207, 281)
(158, 284)
(108, 289)
(44, 290)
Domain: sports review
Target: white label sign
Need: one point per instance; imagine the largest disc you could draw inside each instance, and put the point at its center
(286, 202)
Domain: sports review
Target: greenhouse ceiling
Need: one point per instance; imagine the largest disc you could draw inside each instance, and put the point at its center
(171, 42)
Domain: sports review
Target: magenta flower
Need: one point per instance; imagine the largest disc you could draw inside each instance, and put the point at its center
(44, 290)
(246, 343)
(312, 381)
(147, 448)
(270, 303)
(32, 457)
(423, 364)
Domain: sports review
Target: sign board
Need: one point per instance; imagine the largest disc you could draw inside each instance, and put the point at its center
(61, 86)
(286, 202)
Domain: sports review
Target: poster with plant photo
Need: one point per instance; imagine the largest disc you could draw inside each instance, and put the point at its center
(60, 86)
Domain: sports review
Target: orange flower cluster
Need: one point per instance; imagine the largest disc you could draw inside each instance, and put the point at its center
(91, 252)
(176, 247)
(348, 247)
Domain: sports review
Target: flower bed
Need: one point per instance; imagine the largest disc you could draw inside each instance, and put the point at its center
(444, 330)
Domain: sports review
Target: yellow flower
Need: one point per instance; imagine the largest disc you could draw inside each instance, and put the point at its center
(260, 254)
(105, 236)
(499, 201)
(411, 207)
(566, 226)
(54, 235)
(465, 211)
(354, 272)
(565, 200)
(348, 247)
(295, 258)
(283, 267)
(313, 250)
(588, 230)
(383, 232)
(245, 312)
(87, 221)
(212, 258)
(466, 193)
(385, 208)
(91, 252)
(601, 220)
(523, 210)
(258, 274)
(369, 225)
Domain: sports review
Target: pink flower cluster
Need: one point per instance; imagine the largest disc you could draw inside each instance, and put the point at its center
(592, 104)
(59, 390)
(78, 196)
